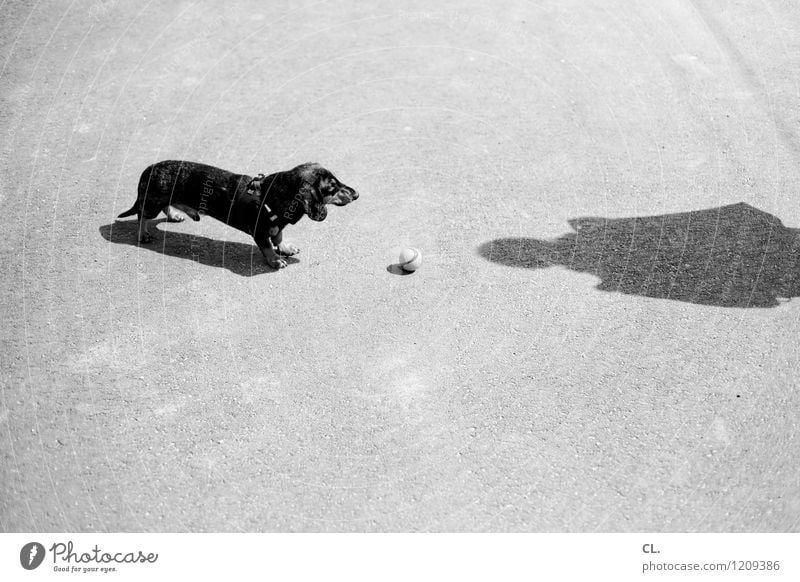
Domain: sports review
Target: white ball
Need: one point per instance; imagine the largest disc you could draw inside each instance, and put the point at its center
(410, 259)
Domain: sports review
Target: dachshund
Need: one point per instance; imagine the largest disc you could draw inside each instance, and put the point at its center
(262, 206)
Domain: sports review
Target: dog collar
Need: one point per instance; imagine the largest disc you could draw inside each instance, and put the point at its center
(254, 189)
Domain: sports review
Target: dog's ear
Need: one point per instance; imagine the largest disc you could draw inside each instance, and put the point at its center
(326, 184)
(311, 191)
(313, 201)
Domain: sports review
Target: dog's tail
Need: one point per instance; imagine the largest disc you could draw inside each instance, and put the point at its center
(131, 211)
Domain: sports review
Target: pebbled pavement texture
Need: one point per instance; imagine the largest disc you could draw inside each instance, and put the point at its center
(602, 336)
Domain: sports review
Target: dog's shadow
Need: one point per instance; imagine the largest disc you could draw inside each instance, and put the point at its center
(729, 256)
(241, 259)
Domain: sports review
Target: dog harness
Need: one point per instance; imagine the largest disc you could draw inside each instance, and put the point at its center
(254, 189)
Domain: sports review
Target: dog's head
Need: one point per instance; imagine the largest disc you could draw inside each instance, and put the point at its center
(318, 187)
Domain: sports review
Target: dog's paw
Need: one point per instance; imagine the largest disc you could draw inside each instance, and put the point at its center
(145, 238)
(277, 263)
(288, 250)
(173, 215)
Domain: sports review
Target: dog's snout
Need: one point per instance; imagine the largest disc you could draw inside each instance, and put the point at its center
(345, 195)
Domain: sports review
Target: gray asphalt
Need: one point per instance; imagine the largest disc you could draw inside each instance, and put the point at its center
(602, 336)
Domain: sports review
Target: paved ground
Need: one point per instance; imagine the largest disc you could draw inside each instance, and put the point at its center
(602, 337)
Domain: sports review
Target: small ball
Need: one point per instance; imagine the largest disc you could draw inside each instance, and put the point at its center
(410, 259)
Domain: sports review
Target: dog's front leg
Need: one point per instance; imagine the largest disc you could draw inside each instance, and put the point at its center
(283, 248)
(273, 259)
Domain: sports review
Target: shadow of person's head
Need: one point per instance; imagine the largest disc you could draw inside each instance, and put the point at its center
(730, 256)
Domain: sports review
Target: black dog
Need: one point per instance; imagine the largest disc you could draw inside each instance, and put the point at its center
(260, 206)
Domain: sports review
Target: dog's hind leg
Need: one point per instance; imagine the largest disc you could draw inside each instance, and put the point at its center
(144, 236)
(144, 218)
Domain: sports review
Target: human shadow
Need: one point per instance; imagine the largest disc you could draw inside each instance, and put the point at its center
(239, 258)
(729, 256)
